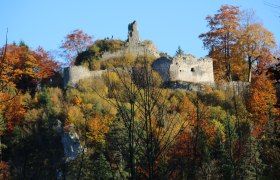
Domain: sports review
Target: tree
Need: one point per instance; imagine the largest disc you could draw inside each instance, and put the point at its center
(179, 52)
(4, 170)
(46, 64)
(253, 40)
(11, 110)
(221, 39)
(262, 99)
(34, 147)
(143, 110)
(193, 142)
(270, 145)
(26, 68)
(74, 43)
(98, 128)
(250, 166)
(5, 69)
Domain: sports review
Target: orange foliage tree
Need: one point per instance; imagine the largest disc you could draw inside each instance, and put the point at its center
(5, 70)
(20, 69)
(199, 132)
(75, 42)
(27, 68)
(98, 128)
(221, 39)
(4, 170)
(12, 111)
(261, 102)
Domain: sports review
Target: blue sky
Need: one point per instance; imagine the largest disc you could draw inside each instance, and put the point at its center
(167, 23)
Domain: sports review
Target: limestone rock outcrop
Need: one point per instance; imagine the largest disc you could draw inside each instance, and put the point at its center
(71, 144)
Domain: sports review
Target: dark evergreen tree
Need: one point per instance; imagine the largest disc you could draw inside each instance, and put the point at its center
(179, 51)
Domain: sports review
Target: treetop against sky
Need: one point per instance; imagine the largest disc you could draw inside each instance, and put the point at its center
(167, 23)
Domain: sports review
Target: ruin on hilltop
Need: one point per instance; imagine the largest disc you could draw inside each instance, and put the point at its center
(182, 68)
(134, 45)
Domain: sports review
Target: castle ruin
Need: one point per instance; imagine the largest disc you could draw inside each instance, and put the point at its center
(187, 68)
(180, 68)
(133, 34)
(134, 45)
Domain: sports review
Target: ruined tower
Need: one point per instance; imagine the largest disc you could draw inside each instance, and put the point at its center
(133, 34)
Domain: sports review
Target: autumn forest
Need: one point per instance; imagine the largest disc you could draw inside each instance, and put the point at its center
(129, 124)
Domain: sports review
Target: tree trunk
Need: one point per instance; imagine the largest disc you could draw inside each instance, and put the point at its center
(227, 58)
(0, 149)
(131, 140)
(249, 68)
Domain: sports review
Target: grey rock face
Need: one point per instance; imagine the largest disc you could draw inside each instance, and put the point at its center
(162, 65)
(71, 144)
(133, 34)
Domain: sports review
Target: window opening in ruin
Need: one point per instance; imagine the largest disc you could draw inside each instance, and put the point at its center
(192, 69)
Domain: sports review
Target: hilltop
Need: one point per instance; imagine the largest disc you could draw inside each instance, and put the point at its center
(183, 68)
(128, 111)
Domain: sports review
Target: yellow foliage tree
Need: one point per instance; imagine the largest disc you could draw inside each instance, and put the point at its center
(98, 128)
(253, 41)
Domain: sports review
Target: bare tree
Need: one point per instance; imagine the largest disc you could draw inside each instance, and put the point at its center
(143, 109)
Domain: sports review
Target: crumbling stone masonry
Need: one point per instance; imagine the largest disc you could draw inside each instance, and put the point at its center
(134, 45)
(187, 68)
(181, 68)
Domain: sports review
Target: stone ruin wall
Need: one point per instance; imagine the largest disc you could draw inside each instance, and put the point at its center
(187, 68)
(73, 74)
(138, 49)
(133, 45)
